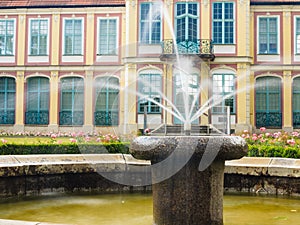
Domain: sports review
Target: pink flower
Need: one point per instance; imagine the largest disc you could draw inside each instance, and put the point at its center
(59, 142)
(255, 135)
(87, 139)
(243, 135)
(291, 142)
(53, 136)
(147, 131)
(268, 134)
(295, 134)
(254, 138)
(262, 129)
(98, 139)
(73, 140)
(4, 141)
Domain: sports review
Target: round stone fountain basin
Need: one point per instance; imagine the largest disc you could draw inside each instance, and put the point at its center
(188, 176)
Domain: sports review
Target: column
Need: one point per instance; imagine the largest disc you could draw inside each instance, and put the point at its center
(53, 111)
(205, 79)
(252, 99)
(20, 95)
(168, 90)
(287, 37)
(132, 99)
(90, 37)
(88, 102)
(287, 114)
(21, 40)
(55, 38)
(243, 98)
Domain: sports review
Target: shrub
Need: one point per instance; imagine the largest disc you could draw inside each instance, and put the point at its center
(70, 148)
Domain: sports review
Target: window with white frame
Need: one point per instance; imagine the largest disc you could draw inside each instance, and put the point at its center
(37, 101)
(150, 23)
(7, 36)
(73, 36)
(223, 22)
(107, 36)
(297, 34)
(7, 100)
(187, 21)
(150, 87)
(107, 101)
(223, 93)
(39, 29)
(268, 35)
(71, 101)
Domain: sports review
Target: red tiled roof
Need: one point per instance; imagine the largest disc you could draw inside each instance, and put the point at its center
(36, 3)
(275, 1)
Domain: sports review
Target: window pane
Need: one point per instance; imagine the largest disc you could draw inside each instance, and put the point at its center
(268, 40)
(73, 37)
(107, 36)
(11, 98)
(149, 85)
(223, 23)
(6, 37)
(107, 101)
(223, 92)
(261, 99)
(217, 11)
(150, 23)
(228, 10)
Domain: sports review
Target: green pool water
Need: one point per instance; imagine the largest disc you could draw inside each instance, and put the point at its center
(136, 209)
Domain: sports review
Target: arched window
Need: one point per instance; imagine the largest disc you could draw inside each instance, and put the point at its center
(107, 101)
(150, 87)
(223, 93)
(7, 100)
(268, 102)
(296, 102)
(37, 101)
(186, 84)
(71, 101)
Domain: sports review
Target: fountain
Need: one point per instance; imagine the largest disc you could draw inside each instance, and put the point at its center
(187, 171)
(193, 195)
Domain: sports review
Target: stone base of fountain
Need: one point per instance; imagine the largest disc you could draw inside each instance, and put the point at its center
(187, 175)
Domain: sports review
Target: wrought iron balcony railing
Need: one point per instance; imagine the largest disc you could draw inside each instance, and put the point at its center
(106, 118)
(201, 47)
(71, 117)
(269, 119)
(37, 117)
(7, 116)
(296, 119)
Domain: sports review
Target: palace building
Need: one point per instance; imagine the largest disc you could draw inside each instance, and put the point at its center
(114, 65)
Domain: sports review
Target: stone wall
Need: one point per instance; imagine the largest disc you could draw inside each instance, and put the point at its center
(43, 174)
(279, 176)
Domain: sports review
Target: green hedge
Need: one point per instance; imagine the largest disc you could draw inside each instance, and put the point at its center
(273, 151)
(27, 149)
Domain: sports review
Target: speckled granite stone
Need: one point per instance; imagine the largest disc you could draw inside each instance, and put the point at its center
(187, 195)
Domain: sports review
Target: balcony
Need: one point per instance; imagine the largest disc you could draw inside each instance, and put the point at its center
(37, 117)
(7, 116)
(203, 48)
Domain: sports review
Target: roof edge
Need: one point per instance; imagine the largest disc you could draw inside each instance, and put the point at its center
(61, 6)
(275, 3)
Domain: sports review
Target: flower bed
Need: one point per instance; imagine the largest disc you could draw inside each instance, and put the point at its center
(278, 144)
(60, 143)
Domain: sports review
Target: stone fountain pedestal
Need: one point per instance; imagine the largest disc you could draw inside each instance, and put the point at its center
(187, 176)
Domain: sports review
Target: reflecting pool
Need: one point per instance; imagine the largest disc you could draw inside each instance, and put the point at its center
(136, 209)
